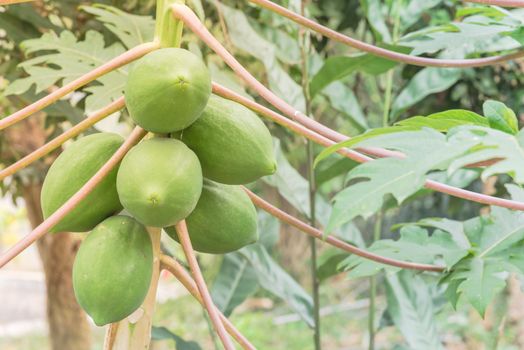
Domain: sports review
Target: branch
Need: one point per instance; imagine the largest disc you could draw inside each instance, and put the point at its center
(12, 2)
(171, 265)
(286, 122)
(502, 3)
(137, 134)
(388, 54)
(185, 14)
(321, 140)
(59, 140)
(183, 236)
(302, 226)
(123, 59)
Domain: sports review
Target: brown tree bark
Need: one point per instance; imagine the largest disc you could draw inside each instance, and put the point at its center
(68, 326)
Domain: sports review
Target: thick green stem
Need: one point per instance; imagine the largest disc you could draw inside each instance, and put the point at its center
(168, 31)
(312, 186)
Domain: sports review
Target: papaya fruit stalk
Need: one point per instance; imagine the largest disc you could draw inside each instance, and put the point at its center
(134, 332)
(183, 236)
(177, 270)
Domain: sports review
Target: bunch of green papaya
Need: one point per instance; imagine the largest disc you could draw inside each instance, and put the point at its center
(203, 148)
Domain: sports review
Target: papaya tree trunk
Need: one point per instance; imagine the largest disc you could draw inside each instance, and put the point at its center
(68, 326)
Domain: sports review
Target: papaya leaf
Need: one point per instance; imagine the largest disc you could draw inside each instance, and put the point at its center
(443, 121)
(268, 229)
(329, 261)
(478, 281)
(475, 34)
(342, 99)
(64, 59)
(516, 192)
(350, 143)
(376, 19)
(497, 241)
(236, 281)
(275, 280)
(415, 245)
(500, 117)
(426, 82)
(337, 67)
(162, 333)
(502, 229)
(295, 189)
(130, 29)
(244, 37)
(410, 306)
(492, 144)
(424, 150)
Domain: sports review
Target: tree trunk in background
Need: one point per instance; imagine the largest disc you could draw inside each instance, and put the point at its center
(68, 326)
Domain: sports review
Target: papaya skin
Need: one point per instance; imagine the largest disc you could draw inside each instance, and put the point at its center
(113, 268)
(70, 171)
(223, 221)
(233, 144)
(167, 90)
(159, 182)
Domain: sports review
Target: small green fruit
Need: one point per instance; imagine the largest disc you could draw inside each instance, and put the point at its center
(159, 182)
(233, 144)
(223, 221)
(70, 171)
(167, 90)
(112, 269)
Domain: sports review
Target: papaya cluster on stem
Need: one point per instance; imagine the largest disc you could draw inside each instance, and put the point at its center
(203, 149)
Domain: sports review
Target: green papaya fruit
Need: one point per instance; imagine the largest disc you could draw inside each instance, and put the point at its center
(70, 171)
(167, 90)
(233, 144)
(159, 181)
(223, 221)
(112, 269)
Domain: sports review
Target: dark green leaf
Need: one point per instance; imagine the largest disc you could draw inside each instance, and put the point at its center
(132, 30)
(275, 280)
(337, 67)
(235, 282)
(426, 82)
(414, 245)
(500, 117)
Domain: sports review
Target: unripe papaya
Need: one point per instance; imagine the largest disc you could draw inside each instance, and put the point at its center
(112, 269)
(233, 144)
(223, 221)
(70, 171)
(159, 182)
(167, 90)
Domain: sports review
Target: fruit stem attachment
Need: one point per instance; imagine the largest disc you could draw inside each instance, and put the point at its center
(171, 265)
(134, 332)
(168, 30)
(183, 236)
